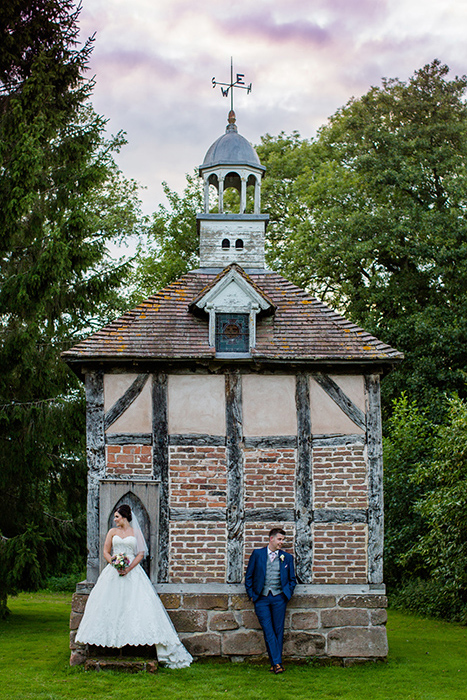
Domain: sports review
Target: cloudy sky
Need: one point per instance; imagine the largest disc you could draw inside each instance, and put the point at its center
(154, 61)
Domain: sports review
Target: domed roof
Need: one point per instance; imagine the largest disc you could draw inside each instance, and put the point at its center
(231, 149)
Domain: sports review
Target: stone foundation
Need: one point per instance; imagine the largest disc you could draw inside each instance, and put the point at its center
(343, 624)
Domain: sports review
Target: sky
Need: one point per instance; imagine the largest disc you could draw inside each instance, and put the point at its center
(154, 61)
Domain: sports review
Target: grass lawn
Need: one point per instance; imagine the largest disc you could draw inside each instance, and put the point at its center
(427, 661)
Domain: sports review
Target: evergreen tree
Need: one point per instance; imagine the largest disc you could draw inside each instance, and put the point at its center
(172, 245)
(62, 200)
(373, 219)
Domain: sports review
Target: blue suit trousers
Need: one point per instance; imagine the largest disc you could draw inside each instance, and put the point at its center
(270, 611)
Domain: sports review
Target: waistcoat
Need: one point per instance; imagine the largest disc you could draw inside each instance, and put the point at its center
(273, 577)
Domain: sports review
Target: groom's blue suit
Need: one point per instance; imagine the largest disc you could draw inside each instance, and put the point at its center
(270, 609)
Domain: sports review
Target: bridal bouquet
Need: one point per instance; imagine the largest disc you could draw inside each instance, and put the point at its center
(120, 562)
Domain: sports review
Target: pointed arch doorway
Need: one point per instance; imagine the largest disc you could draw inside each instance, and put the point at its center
(143, 499)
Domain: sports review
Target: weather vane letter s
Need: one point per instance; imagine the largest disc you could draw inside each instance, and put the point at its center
(237, 83)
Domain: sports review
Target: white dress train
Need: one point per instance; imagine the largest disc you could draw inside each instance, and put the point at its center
(126, 609)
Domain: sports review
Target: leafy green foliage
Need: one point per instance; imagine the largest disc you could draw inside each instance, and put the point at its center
(371, 217)
(172, 245)
(426, 509)
(409, 444)
(62, 201)
(444, 508)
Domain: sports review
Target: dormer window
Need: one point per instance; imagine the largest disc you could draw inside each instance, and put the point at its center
(226, 243)
(233, 303)
(239, 244)
(232, 333)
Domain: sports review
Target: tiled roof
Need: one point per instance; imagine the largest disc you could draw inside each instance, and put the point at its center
(163, 327)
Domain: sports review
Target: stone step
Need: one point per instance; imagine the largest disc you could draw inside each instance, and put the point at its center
(121, 664)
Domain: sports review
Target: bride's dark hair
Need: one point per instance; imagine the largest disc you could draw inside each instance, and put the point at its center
(125, 511)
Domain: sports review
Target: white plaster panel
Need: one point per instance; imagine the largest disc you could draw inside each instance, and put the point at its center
(353, 386)
(326, 416)
(138, 416)
(115, 386)
(269, 405)
(196, 404)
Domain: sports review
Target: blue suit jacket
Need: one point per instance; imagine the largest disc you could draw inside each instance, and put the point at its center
(256, 573)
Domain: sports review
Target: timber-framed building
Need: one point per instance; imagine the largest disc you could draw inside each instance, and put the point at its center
(230, 402)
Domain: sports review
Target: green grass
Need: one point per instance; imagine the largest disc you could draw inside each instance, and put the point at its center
(427, 661)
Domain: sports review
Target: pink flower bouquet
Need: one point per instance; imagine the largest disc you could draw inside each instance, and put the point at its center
(120, 562)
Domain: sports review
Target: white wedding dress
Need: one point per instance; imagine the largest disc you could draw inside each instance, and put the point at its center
(126, 609)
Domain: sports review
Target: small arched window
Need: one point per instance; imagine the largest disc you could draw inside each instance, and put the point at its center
(226, 243)
(239, 244)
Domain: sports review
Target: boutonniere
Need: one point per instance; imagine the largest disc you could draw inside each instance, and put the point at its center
(282, 557)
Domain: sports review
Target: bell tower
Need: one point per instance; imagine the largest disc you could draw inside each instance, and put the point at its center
(227, 237)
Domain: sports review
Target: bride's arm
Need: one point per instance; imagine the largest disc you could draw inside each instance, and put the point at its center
(108, 546)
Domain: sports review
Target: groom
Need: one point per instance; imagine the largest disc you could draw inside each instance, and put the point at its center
(270, 582)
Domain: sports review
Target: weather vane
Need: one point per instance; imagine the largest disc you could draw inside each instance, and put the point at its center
(237, 83)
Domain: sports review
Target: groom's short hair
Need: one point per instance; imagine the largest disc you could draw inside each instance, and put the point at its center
(276, 531)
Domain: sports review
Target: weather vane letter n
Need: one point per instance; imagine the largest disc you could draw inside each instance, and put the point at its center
(237, 83)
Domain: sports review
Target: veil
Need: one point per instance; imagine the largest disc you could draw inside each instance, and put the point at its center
(141, 542)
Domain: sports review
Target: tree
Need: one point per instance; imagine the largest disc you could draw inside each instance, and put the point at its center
(437, 557)
(409, 446)
(172, 245)
(62, 200)
(374, 222)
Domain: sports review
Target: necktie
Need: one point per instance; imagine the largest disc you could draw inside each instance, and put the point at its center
(272, 556)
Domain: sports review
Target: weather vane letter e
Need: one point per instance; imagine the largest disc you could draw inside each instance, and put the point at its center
(237, 83)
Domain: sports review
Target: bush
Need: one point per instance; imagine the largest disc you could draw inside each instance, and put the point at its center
(430, 598)
(65, 583)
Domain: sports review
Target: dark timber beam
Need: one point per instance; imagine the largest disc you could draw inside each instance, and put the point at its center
(160, 468)
(271, 442)
(213, 515)
(303, 481)
(234, 457)
(95, 455)
(340, 515)
(334, 391)
(126, 400)
(191, 439)
(375, 481)
(128, 439)
(338, 440)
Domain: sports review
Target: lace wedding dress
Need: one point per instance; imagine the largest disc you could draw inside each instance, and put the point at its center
(125, 610)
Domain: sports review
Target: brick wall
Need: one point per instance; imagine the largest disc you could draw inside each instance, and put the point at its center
(129, 460)
(198, 480)
(198, 477)
(339, 553)
(269, 478)
(340, 477)
(197, 552)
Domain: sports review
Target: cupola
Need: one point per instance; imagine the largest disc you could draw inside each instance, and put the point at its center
(227, 237)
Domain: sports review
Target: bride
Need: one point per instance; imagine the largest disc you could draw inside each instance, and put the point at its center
(123, 607)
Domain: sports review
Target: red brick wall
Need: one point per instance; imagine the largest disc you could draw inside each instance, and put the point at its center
(197, 552)
(269, 478)
(340, 477)
(130, 460)
(198, 480)
(197, 477)
(339, 553)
